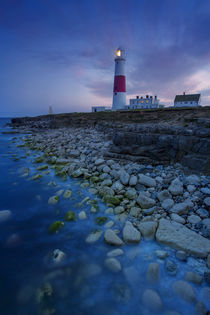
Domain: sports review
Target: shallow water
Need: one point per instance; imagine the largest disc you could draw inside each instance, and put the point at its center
(81, 284)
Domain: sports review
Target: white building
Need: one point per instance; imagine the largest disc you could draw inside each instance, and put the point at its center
(100, 109)
(148, 102)
(187, 100)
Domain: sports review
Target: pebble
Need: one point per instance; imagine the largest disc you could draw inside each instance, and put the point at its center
(82, 215)
(162, 254)
(181, 255)
(113, 264)
(111, 238)
(115, 252)
(193, 277)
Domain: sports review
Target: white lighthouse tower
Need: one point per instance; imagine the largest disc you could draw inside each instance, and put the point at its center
(119, 91)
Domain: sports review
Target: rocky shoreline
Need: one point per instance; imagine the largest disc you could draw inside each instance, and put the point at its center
(157, 202)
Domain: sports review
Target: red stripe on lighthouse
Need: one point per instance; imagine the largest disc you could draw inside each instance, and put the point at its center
(119, 83)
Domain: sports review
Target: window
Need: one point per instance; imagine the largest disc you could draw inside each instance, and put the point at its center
(147, 101)
(142, 101)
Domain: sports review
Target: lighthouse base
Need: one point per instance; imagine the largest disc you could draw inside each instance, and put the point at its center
(119, 100)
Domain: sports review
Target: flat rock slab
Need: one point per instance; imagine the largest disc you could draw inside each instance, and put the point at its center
(180, 237)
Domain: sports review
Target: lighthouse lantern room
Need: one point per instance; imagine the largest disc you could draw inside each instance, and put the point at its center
(119, 91)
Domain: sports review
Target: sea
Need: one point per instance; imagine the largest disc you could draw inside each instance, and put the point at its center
(32, 282)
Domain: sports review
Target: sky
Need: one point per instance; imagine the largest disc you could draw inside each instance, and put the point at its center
(60, 53)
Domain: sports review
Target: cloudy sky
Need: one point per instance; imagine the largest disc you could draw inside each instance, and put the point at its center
(61, 52)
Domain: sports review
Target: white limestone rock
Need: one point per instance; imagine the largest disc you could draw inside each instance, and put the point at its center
(93, 237)
(124, 178)
(176, 187)
(148, 229)
(207, 202)
(82, 215)
(180, 237)
(193, 219)
(99, 162)
(133, 180)
(113, 264)
(111, 238)
(146, 180)
(177, 218)
(130, 233)
(144, 201)
(115, 252)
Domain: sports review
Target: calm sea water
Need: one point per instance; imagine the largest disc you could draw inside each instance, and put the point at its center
(82, 284)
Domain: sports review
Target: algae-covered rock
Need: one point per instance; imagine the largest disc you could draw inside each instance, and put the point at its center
(53, 200)
(101, 220)
(111, 199)
(94, 179)
(36, 177)
(94, 236)
(67, 194)
(55, 227)
(94, 208)
(42, 168)
(39, 159)
(70, 216)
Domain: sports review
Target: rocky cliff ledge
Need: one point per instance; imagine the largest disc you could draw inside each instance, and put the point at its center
(147, 136)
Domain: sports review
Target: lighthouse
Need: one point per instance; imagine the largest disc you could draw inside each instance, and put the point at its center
(119, 91)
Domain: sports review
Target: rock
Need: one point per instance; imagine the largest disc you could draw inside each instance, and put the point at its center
(117, 186)
(5, 215)
(181, 255)
(131, 193)
(119, 209)
(185, 291)
(93, 236)
(205, 227)
(177, 218)
(206, 293)
(182, 207)
(67, 194)
(205, 191)
(180, 237)
(111, 200)
(152, 300)
(82, 215)
(133, 180)
(193, 277)
(191, 188)
(149, 211)
(207, 276)
(111, 238)
(106, 169)
(170, 267)
(162, 254)
(146, 181)
(55, 227)
(130, 233)
(193, 180)
(145, 202)
(113, 264)
(153, 273)
(124, 178)
(208, 261)
(200, 308)
(99, 162)
(164, 194)
(53, 200)
(135, 211)
(109, 224)
(207, 202)
(70, 216)
(167, 204)
(176, 187)
(148, 229)
(131, 274)
(58, 256)
(193, 219)
(13, 240)
(121, 294)
(77, 173)
(203, 213)
(115, 252)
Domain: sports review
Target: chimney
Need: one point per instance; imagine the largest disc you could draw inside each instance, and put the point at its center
(137, 97)
(155, 97)
(147, 96)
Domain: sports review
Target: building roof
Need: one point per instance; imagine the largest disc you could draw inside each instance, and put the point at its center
(187, 98)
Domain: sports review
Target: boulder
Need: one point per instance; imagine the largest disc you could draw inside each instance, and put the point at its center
(124, 178)
(133, 180)
(152, 300)
(180, 237)
(167, 204)
(130, 233)
(185, 291)
(113, 264)
(111, 238)
(146, 180)
(176, 187)
(148, 229)
(144, 201)
(182, 207)
(164, 194)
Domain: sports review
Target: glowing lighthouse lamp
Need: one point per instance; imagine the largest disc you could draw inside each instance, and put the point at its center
(119, 91)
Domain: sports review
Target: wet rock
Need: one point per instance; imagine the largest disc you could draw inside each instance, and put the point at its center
(208, 261)
(203, 213)
(192, 180)
(164, 194)
(191, 188)
(133, 180)
(200, 308)
(180, 237)
(131, 193)
(5, 215)
(121, 293)
(193, 219)
(109, 224)
(167, 204)
(207, 276)
(206, 293)
(135, 211)
(182, 207)
(55, 227)
(207, 202)
(58, 256)
(205, 191)
(144, 201)
(170, 267)
(67, 194)
(117, 186)
(13, 240)
(82, 215)
(152, 300)
(113, 264)
(124, 178)
(153, 273)
(119, 209)
(146, 181)
(149, 211)
(177, 218)
(205, 227)
(130, 233)
(193, 277)
(131, 274)
(148, 229)
(94, 236)
(176, 187)
(70, 216)
(111, 200)
(162, 254)
(185, 291)
(53, 200)
(99, 162)
(115, 252)
(181, 255)
(111, 238)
